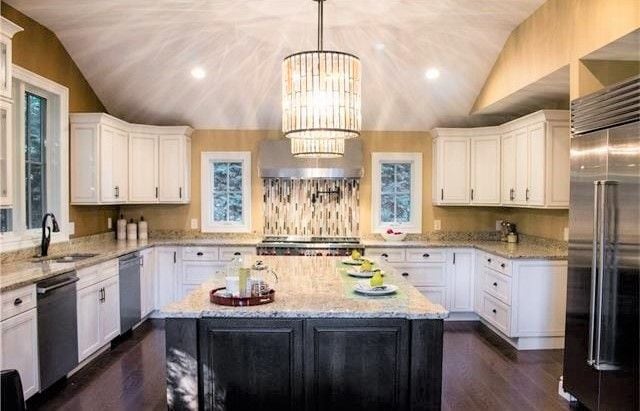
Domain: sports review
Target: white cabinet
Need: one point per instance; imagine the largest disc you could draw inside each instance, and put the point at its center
(451, 169)
(147, 281)
(114, 162)
(485, 170)
(114, 185)
(98, 305)
(6, 154)
(509, 162)
(7, 30)
(460, 276)
(19, 340)
(166, 275)
(143, 167)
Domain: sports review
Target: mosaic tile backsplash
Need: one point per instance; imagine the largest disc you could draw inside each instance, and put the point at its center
(311, 207)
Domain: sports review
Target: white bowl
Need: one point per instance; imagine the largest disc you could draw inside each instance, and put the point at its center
(394, 237)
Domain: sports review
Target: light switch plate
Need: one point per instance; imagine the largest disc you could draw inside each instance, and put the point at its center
(72, 228)
(498, 225)
(109, 223)
(437, 225)
(566, 234)
(194, 223)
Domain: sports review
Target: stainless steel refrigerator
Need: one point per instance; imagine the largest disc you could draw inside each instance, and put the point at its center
(601, 356)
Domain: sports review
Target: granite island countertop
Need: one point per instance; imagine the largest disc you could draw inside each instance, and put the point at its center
(313, 287)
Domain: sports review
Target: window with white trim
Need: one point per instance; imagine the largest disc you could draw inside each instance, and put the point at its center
(226, 191)
(396, 191)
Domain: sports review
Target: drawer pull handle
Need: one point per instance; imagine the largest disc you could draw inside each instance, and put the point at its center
(199, 253)
(405, 274)
(17, 301)
(494, 311)
(495, 284)
(425, 255)
(385, 255)
(503, 265)
(488, 260)
(237, 253)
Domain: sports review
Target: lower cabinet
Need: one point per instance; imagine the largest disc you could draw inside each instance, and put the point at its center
(147, 282)
(19, 341)
(166, 271)
(460, 280)
(98, 315)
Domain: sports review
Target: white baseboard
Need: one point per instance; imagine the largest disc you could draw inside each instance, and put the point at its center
(467, 316)
(529, 343)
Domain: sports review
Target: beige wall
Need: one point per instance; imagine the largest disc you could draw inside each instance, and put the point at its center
(37, 49)
(547, 223)
(560, 32)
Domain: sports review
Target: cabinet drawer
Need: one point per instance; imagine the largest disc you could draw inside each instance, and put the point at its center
(436, 295)
(197, 272)
(424, 275)
(228, 253)
(496, 284)
(200, 253)
(501, 265)
(17, 301)
(392, 255)
(90, 275)
(426, 255)
(496, 313)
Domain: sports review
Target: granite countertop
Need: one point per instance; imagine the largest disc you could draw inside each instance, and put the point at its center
(313, 287)
(527, 249)
(25, 272)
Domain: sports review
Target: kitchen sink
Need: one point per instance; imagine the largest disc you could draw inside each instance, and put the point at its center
(66, 258)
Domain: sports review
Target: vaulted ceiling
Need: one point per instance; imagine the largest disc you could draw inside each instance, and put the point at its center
(137, 55)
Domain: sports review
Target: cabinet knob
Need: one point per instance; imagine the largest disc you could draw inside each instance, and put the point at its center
(17, 301)
(425, 255)
(237, 253)
(503, 265)
(488, 260)
(405, 274)
(199, 253)
(385, 255)
(494, 311)
(495, 284)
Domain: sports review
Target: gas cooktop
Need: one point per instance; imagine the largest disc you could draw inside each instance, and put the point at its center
(308, 245)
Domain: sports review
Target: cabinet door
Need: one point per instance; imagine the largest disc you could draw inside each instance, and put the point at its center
(509, 167)
(460, 284)
(171, 169)
(453, 170)
(147, 282)
(19, 341)
(110, 310)
(113, 165)
(186, 179)
(536, 165)
(5, 64)
(143, 167)
(166, 276)
(89, 338)
(83, 164)
(6, 154)
(522, 166)
(485, 170)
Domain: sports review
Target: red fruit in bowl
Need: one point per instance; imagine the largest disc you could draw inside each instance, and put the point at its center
(397, 233)
(390, 231)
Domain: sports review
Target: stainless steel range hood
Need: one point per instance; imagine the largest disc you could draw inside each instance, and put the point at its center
(275, 160)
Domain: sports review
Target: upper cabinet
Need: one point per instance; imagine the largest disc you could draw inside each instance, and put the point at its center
(114, 162)
(523, 163)
(7, 30)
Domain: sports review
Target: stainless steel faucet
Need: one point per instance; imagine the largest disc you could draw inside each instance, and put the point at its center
(46, 234)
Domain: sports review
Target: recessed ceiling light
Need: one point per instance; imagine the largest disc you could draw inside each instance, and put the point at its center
(198, 72)
(432, 74)
(379, 46)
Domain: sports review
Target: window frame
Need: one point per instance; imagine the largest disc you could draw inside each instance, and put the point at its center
(415, 221)
(208, 224)
(57, 160)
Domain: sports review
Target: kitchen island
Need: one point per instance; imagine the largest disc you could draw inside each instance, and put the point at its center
(319, 346)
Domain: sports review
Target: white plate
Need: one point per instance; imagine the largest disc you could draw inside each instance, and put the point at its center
(354, 272)
(351, 261)
(363, 287)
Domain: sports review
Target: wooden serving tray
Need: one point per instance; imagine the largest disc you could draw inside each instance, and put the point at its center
(240, 301)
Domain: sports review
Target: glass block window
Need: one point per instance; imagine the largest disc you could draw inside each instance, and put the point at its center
(395, 192)
(396, 184)
(35, 159)
(226, 177)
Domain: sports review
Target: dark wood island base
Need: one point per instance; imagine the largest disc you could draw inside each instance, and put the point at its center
(304, 364)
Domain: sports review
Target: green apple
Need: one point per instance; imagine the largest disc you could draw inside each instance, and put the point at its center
(355, 255)
(376, 280)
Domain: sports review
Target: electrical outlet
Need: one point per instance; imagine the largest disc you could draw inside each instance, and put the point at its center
(437, 225)
(109, 223)
(72, 228)
(194, 223)
(566, 234)
(498, 225)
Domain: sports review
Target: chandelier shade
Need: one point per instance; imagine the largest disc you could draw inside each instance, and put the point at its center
(317, 147)
(321, 95)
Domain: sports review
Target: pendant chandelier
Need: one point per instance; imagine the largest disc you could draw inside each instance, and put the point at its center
(320, 99)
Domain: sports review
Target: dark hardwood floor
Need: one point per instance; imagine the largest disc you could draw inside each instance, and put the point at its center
(481, 372)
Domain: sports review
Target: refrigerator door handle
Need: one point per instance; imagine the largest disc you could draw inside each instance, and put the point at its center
(594, 271)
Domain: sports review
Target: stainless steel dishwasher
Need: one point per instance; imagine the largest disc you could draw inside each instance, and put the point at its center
(57, 328)
(129, 291)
